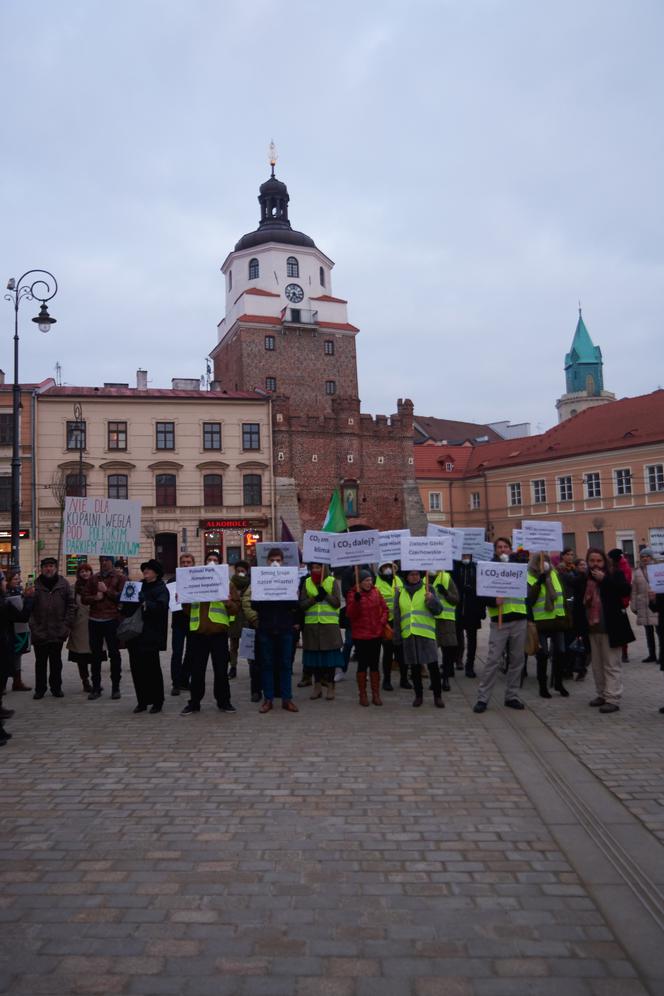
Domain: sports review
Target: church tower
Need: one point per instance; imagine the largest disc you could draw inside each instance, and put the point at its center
(584, 377)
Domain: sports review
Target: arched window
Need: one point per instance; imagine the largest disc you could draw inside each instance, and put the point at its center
(321, 274)
(165, 491)
(213, 493)
(330, 387)
(76, 486)
(292, 267)
(254, 269)
(252, 489)
(118, 486)
(230, 280)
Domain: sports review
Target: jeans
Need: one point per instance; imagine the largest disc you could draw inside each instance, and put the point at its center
(98, 632)
(513, 633)
(202, 646)
(48, 659)
(276, 648)
(347, 648)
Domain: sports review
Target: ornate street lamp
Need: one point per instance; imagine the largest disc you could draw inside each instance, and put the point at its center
(37, 285)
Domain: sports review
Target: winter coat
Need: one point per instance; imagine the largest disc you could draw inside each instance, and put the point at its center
(446, 628)
(9, 615)
(53, 611)
(612, 590)
(470, 610)
(153, 602)
(367, 614)
(240, 584)
(417, 650)
(320, 636)
(107, 607)
(79, 640)
(639, 600)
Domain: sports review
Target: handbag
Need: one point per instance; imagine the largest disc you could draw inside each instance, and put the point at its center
(388, 632)
(131, 627)
(532, 639)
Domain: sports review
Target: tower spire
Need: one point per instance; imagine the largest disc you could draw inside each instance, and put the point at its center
(272, 158)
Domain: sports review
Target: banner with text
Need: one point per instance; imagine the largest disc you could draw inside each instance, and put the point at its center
(517, 539)
(97, 526)
(247, 648)
(656, 578)
(362, 547)
(539, 535)
(207, 583)
(501, 580)
(426, 553)
(274, 584)
(390, 544)
(289, 552)
(657, 540)
(473, 539)
(316, 547)
(456, 536)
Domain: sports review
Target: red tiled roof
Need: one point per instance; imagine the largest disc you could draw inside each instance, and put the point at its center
(257, 291)
(150, 392)
(327, 297)
(430, 460)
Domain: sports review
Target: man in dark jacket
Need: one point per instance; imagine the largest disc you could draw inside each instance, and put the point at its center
(103, 597)
(470, 611)
(144, 649)
(51, 620)
(275, 628)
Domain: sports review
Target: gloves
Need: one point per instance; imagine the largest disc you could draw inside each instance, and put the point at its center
(358, 596)
(542, 577)
(320, 597)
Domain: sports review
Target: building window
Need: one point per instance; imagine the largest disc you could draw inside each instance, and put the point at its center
(75, 435)
(5, 493)
(539, 491)
(254, 269)
(76, 485)
(593, 485)
(211, 435)
(117, 435)
(166, 492)
(349, 499)
(328, 347)
(269, 343)
(321, 276)
(569, 541)
(118, 486)
(449, 466)
(6, 429)
(434, 501)
(474, 500)
(565, 489)
(165, 435)
(251, 436)
(330, 387)
(655, 476)
(252, 489)
(292, 267)
(596, 539)
(230, 280)
(514, 493)
(213, 493)
(270, 383)
(623, 480)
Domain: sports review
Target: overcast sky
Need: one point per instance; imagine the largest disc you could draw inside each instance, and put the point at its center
(472, 167)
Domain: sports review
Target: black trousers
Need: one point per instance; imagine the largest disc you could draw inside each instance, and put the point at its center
(388, 657)
(434, 676)
(147, 677)
(449, 660)
(99, 632)
(464, 636)
(48, 661)
(202, 646)
(368, 654)
(180, 667)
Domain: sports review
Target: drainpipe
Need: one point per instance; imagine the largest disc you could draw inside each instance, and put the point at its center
(450, 485)
(486, 501)
(273, 496)
(33, 476)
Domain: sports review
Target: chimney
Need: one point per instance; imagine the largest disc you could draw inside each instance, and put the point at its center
(2, 376)
(142, 379)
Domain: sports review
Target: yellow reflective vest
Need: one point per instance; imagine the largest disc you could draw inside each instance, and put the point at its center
(320, 612)
(388, 590)
(416, 620)
(540, 613)
(443, 578)
(216, 613)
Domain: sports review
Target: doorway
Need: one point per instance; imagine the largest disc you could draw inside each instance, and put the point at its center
(625, 541)
(166, 552)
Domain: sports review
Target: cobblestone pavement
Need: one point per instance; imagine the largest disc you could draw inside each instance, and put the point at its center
(339, 852)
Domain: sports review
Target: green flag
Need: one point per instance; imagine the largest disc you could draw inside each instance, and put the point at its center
(335, 520)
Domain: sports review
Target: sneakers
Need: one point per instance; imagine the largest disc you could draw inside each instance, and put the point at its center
(514, 704)
(189, 710)
(227, 707)
(479, 707)
(340, 675)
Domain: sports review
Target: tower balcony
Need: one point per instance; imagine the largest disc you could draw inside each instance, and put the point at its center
(299, 316)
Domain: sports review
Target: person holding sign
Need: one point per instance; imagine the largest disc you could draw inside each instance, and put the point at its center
(144, 649)
(320, 600)
(275, 631)
(367, 611)
(103, 597)
(470, 612)
(415, 609)
(388, 584)
(446, 637)
(546, 601)
(208, 637)
(508, 627)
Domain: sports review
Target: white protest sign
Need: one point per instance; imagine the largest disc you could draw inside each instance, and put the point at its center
(173, 603)
(473, 539)
(362, 547)
(657, 539)
(456, 536)
(517, 539)
(274, 584)
(390, 544)
(207, 583)
(426, 553)
(247, 648)
(501, 580)
(656, 577)
(539, 535)
(130, 591)
(289, 552)
(485, 551)
(316, 547)
(96, 526)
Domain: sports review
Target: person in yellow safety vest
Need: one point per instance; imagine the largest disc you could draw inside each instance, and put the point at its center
(208, 637)
(446, 634)
(507, 630)
(415, 610)
(388, 584)
(320, 601)
(546, 600)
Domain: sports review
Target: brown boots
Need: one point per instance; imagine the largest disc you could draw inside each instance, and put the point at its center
(18, 686)
(375, 688)
(362, 686)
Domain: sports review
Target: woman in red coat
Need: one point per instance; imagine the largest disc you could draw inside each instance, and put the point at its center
(367, 612)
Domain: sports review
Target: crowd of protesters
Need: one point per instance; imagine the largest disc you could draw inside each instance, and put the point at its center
(424, 626)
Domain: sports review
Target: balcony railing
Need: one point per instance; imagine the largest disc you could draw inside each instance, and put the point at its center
(301, 316)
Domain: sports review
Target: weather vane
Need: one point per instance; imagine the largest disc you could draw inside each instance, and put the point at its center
(272, 159)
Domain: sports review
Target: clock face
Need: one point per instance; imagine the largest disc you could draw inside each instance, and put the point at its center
(294, 293)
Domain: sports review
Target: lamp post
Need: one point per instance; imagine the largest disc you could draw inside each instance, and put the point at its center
(42, 286)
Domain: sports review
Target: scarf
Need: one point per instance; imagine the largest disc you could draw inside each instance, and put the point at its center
(592, 603)
(535, 564)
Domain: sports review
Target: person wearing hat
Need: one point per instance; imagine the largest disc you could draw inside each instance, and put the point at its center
(367, 611)
(103, 598)
(153, 602)
(51, 620)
